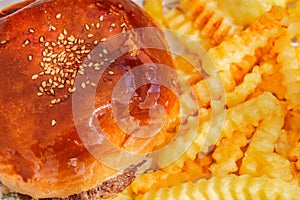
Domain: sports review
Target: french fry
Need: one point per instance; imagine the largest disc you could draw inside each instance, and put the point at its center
(245, 12)
(209, 20)
(260, 158)
(172, 175)
(233, 50)
(290, 69)
(155, 9)
(229, 187)
(227, 153)
(177, 21)
(248, 86)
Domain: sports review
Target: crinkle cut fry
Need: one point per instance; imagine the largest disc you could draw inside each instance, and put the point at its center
(209, 20)
(271, 25)
(172, 175)
(238, 118)
(230, 187)
(177, 21)
(256, 113)
(290, 68)
(260, 158)
(248, 86)
(227, 153)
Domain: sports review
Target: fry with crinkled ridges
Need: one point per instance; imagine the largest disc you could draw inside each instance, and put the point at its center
(227, 153)
(238, 118)
(212, 23)
(248, 86)
(290, 68)
(177, 21)
(260, 158)
(233, 50)
(172, 175)
(229, 187)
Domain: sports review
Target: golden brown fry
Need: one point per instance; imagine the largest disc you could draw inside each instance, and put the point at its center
(155, 9)
(233, 50)
(227, 153)
(260, 158)
(246, 11)
(177, 21)
(188, 70)
(209, 20)
(229, 187)
(249, 85)
(172, 175)
(290, 69)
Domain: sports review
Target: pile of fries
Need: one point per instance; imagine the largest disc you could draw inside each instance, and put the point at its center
(255, 49)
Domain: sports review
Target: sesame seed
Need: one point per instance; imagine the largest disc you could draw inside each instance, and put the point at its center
(81, 72)
(89, 57)
(120, 6)
(83, 85)
(93, 84)
(105, 51)
(61, 37)
(3, 41)
(98, 25)
(52, 91)
(60, 86)
(101, 18)
(74, 48)
(103, 39)
(47, 44)
(58, 16)
(40, 94)
(30, 57)
(42, 39)
(111, 73)
(71, 90)
(26, 42)
(53, 101)
(55, 84)
(90, 35)
(35, 76)
(65, 32)
(123, 25)
(95, 42)
(53, 28)
(71, 38)
(100, 55)
(113, 25)
(87, 27)
(44, 84)
(31, 30)
(41, 89)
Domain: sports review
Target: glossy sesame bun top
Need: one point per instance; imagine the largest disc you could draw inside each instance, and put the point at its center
(44, 47)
